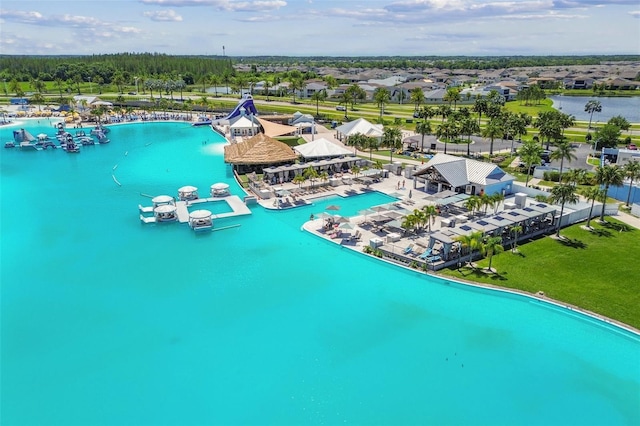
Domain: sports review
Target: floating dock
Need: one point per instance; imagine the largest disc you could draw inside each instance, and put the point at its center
(238, 207)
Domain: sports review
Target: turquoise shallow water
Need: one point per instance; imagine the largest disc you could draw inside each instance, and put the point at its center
(108, 321)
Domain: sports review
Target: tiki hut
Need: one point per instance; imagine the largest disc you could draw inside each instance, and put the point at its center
(257, 152)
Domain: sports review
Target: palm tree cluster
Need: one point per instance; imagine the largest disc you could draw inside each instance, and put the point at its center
(419, 219)
(478, 242)
(481, 203)
(167, 86)
(531, 95)
(552, 124)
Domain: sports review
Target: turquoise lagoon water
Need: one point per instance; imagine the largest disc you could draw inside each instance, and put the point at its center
(109, 321)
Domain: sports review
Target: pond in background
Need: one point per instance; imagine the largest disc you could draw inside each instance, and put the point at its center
(628, 107)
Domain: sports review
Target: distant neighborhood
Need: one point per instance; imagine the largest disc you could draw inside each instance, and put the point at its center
(472, 84)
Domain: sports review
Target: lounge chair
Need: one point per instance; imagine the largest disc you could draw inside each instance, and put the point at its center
(425, 254)
(357, 236)
(408, 249)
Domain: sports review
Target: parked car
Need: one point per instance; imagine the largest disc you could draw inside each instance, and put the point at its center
(632, 147)
(341, 108)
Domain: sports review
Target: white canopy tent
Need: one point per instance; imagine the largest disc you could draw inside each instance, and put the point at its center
(360, 126)
(321, 148)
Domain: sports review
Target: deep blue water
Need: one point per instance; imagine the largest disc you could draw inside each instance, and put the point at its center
(109, 321)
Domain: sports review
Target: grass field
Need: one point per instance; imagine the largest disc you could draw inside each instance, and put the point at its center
(596, 271)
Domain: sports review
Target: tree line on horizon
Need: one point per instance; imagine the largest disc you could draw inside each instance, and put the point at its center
(191, 69)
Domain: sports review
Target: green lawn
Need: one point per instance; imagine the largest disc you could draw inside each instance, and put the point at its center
(597, 271)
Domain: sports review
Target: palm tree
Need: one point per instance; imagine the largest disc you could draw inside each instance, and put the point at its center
(58, 82)
(423, 128)
(481, 106)
(311, 174)
(492, 246)
(319, 96)
(470, 242)
(357, 141)
(444, 111)
(562, 194)
(469, 127)
(420, 218)
(371, 143)
(575, 176)
(267, 85)
(381, 96)
(38, 99)
(491, 131)
(593, 194)
(427, 112)
(417, 97)
(591, 107)
(631, 171)
(496, 199)
(530, 154)
(215, 80)
(299, 180)
(226, 79)
(295, 84)
(516, 230)
(408, 222)
(472, 203)
(392, 138)
(563, 151)
(204, 101)
(430, 212)
(607, 176)
(324, 176)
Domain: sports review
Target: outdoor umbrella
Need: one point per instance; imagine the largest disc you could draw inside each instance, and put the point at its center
(379, 209)
(340, 219)
(332, 207)
(346, 225)
(393, 214)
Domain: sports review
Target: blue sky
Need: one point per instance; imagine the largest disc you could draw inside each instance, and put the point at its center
(321, 27)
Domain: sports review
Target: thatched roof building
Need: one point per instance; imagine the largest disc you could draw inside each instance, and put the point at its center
(259, 150)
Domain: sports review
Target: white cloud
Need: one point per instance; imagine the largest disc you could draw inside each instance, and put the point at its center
(260, 18)
(226, 5)
(168, 15)
(84, 26)
(635, 13)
